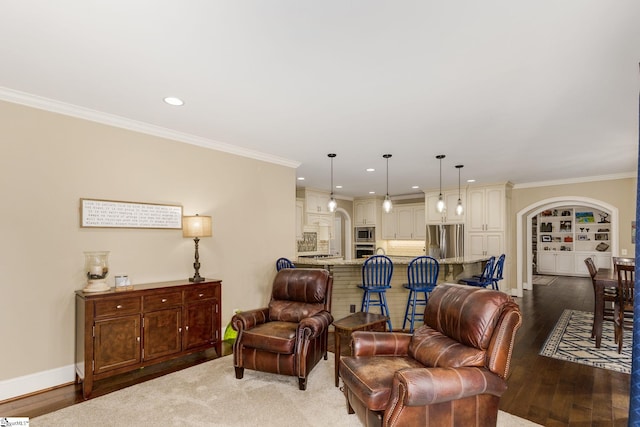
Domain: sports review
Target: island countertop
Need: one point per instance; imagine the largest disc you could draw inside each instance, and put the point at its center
(347, 275)
(394, 259)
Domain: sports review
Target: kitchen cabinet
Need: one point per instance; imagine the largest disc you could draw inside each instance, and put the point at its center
(404, 222)
(316, 201)
(366, 211)
(485, 244)
(299, 219)
(448, 216)
(556, 262)
(117, 332)
(486, 209)
(602, 260)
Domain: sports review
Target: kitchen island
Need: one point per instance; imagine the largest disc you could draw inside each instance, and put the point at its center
(347, 275)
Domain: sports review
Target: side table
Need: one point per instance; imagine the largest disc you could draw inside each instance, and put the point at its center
(355, 322)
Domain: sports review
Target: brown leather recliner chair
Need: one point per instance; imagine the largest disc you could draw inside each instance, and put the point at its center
(451, 371)
(289, 336)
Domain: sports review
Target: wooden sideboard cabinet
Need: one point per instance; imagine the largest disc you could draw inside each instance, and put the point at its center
(117, 332)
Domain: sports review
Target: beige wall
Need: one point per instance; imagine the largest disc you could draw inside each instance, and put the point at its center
(620, 193)
(49, 161)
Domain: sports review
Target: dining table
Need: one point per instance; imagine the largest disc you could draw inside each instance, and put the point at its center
(604, 278)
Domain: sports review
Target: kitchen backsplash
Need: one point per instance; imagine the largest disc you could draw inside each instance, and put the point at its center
(404, 247)
(309, 242)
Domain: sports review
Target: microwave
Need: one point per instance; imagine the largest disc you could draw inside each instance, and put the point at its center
(365, 234)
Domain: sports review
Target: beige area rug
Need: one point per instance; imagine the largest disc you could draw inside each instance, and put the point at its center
(209, 395)
(543, 280)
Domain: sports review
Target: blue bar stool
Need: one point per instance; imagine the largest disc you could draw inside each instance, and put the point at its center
(284, 263)
(376, 279)
(422, 276)
(485, 279)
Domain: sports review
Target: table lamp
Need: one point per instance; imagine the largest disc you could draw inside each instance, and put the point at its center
(196, 226)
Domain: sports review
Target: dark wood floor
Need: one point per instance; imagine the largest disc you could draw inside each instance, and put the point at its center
(547, 391)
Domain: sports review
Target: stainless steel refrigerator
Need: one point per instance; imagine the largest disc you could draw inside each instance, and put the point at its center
(445, 241)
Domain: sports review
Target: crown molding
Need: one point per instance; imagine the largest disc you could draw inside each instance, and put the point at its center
(66, 109)
(624, 175)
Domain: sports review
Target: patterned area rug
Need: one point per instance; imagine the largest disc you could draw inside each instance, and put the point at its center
(571, 340)
(543, 280)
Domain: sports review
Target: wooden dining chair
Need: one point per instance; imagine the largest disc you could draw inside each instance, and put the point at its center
(618, 260)
(609, 297)
(624, 304)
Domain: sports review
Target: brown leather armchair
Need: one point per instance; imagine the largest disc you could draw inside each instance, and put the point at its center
(451, 371)
(289, 336)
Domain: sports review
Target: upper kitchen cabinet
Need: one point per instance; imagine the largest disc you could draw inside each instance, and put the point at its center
(448, 216)
(315, 201)
(366, 211)
(486, 208)
(299, 218)
(404, 222)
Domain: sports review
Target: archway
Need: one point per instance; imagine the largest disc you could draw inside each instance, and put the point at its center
(523, 232)
(347, 235)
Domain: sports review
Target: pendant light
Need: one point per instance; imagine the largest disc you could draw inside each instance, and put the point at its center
(440, 205)
(459, 208)
(387, 205)
(332, 205)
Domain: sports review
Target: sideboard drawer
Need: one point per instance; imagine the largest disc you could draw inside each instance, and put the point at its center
(118, 306)
(162, 301)
(199, 293)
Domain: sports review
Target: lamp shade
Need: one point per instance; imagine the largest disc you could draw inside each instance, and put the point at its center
(196, 226)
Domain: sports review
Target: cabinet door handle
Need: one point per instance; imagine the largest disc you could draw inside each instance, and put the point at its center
(138, 339)
(164, 300)
(200, 295)
(186, 328)
(119, 306)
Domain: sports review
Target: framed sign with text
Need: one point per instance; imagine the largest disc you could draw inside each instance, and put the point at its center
(117, 214)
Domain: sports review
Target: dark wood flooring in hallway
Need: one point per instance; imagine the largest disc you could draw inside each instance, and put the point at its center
(547, 391)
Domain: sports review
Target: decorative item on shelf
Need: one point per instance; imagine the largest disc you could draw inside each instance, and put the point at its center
(548, 212)
(582, 237)
(584, 217)
(96, 267)
(546, 227)
(601, 247)
(565, 226)
(196, 226)
(565, 213)
(545, 238)
(568, 239)
(604, 218)
(440, 205)
(459, 208)
(333, 205)
(387, 205)
(123, 283)
(601, 236)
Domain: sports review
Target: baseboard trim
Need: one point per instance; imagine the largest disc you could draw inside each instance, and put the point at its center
(32, 383)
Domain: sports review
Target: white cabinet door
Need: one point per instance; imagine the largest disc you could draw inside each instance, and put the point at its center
(365, 212)
(475, 211)
(404, 223)
(546, 262)
(419, 225)
(299, 219)
(565, 263)
(389, 221)
(485, 244)
(494, 209)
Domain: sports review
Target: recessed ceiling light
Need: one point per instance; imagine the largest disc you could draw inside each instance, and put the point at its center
(338, 186)
(172, 100)
(301, 178)
(372, 192)
(471, 180)
(371, 170)
(415, 187)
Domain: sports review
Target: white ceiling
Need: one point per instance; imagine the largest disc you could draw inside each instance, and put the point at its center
(520, 91)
